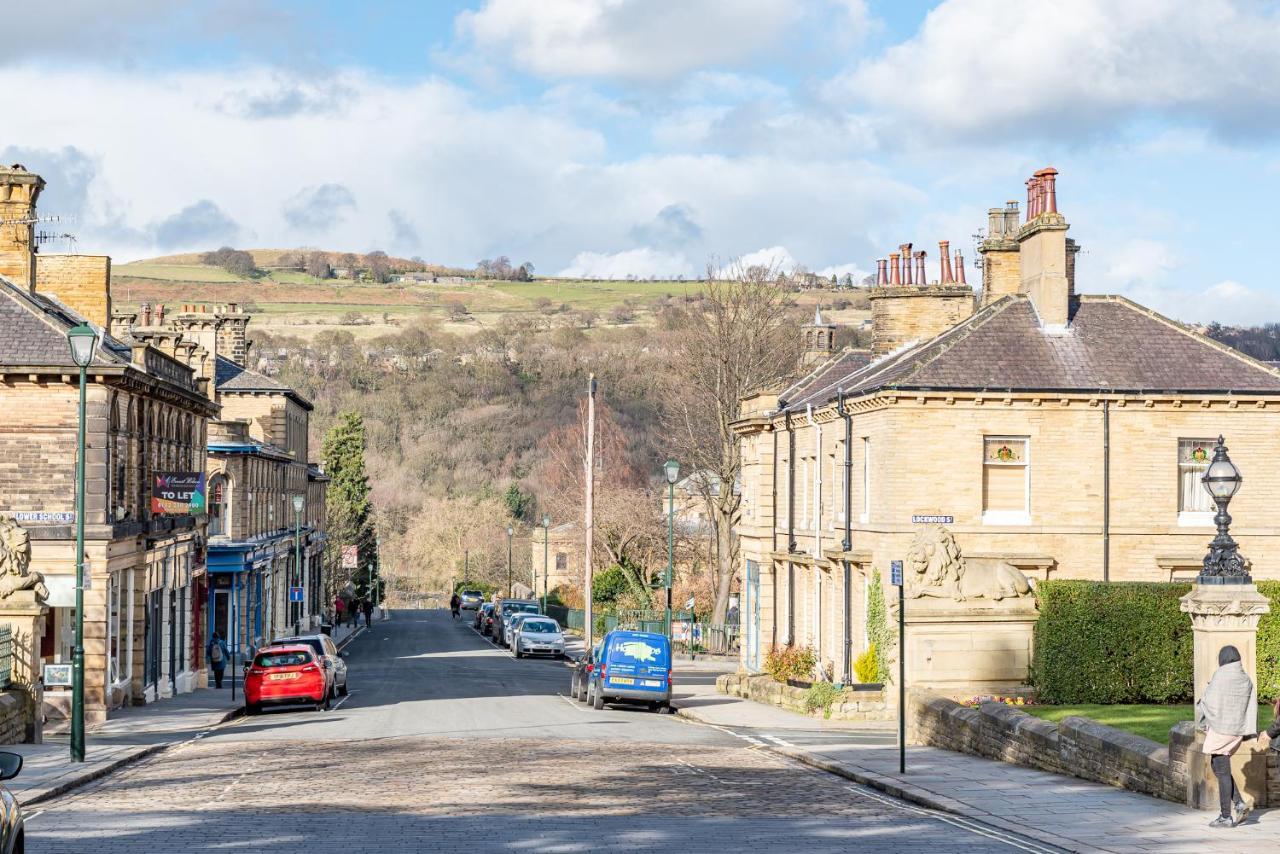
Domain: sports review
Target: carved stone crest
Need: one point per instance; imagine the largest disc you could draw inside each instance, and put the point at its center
(15, 560)
(935, 567)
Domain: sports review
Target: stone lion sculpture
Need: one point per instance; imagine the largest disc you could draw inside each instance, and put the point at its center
(936, 568)
(15, 558)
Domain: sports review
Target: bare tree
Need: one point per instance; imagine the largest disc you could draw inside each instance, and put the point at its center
(743, 336)
(318, 265)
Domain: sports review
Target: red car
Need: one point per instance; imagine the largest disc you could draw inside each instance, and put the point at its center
(286, 674)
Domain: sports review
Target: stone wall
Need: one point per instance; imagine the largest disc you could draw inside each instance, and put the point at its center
(79, 281)
(1077, 747)
(13, 716)
(906, 313)
(849, 706)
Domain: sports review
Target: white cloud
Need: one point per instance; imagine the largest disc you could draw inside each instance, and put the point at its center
(1230, 302)
(773, 257)
(842, 270)
(1042, 68)
(629, 39)
(632, 263)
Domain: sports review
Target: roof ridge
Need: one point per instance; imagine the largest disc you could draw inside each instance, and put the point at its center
(27, 300)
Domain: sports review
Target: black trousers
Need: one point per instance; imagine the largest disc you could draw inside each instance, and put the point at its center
(1227, 791)
(217, 676)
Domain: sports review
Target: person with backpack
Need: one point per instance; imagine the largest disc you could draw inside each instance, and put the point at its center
(218, 658)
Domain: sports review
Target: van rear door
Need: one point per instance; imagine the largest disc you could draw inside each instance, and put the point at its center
(639, 660)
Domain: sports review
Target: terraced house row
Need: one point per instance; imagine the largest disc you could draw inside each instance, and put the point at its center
(169, 400)
(1027, 426)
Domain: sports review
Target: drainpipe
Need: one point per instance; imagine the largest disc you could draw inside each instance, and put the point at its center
(817, 538)
(791, 531)
(1106, 490)
(773, 567)
(847, 544)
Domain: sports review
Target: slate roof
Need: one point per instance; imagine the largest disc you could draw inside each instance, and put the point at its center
(33, 331)
(229, 376)
(1113, 344)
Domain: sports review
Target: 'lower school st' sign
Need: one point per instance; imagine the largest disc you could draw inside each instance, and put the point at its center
(933, 520)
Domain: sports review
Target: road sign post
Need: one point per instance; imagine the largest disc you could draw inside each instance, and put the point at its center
(895, 571)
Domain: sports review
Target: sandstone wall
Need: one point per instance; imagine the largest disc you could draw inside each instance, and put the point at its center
(78, 281)
(849, 706)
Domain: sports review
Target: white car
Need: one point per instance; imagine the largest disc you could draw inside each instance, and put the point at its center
(537, 635)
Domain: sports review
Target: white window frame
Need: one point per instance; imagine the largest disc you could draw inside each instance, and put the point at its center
(865, 516)
(837, 486)
(1010, 517)
(1191, 518)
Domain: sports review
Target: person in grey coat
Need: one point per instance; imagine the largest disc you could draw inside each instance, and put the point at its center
(1228, 712)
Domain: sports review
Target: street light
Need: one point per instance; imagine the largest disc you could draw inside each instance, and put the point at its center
(84, 344)
(546, 554)
(510, 532)
(673, 474)
(1223, 564)
(297, 553)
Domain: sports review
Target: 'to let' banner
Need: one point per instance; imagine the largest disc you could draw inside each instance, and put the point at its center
(177, 493)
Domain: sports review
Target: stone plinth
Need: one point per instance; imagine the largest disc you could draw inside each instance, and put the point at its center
(1223, 614)
(977, 646)
(25, 614)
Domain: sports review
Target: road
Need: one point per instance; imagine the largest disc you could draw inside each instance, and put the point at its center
(447, 743)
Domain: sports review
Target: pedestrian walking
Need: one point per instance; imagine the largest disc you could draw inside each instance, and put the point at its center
(1228, 714)
(218, 657)
(339, 611)
(455, 604)
(367, 607)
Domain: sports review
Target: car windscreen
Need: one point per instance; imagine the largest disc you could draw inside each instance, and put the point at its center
(638, 650)
(539, 627)
(526, 609)
(471, 593)
(281, 659)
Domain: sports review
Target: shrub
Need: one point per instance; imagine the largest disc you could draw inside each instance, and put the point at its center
(867, 667)
(879, 635)
(1109, 643)
(1269, 644)
(821, 695)
(790, 662)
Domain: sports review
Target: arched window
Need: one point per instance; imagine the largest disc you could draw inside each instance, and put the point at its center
(219, 504)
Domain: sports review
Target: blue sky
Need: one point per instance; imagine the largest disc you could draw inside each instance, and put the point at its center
(652, 137)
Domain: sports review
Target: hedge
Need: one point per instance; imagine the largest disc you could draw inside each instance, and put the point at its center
(1129, 643)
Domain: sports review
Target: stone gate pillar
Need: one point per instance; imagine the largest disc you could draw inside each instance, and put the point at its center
(25, 614)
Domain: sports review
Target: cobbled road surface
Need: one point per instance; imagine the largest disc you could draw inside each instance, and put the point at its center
(448, 744)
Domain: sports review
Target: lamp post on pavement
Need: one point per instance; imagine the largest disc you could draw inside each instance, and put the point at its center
(510, 532)
(84, 344)
(297, 558)
(1223, 564)
(546, 554)
(673, 474)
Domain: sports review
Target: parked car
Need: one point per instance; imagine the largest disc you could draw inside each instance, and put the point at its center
(286, 674)
(481, 612)
(513, 626)
(471, 599)
(503, 610)
(634, 668)
(335, 661)
(537, 635)
(12, 832)
(582, 670)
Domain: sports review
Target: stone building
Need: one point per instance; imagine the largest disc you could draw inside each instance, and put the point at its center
(557, 556)
(148, 404)
(265, 557)
(1029, 432)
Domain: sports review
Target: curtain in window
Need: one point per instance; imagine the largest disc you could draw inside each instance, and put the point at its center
(1193, 458)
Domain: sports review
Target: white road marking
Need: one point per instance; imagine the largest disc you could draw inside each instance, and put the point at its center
(781, 741)
(956, 821)
(574, 703)
(345, 697)
(32, 816)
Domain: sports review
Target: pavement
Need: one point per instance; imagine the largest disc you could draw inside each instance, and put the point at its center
(1063, 812)
(448, 743)
(130, 734)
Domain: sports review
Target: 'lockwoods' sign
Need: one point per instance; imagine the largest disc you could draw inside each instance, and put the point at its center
(177, 493)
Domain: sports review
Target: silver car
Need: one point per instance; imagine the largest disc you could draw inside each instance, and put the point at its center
(537, 635)
(12, 832)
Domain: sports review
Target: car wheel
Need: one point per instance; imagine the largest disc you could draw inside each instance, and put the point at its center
(343, 690)
(519, 654)
(250, 709)
(597, 701)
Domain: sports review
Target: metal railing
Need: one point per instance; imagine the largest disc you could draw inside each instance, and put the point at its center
(6, 655)
(705, 638)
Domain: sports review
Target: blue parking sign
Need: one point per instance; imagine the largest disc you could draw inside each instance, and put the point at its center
(895, 572)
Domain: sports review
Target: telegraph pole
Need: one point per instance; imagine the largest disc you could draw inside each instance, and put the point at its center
(589, 523)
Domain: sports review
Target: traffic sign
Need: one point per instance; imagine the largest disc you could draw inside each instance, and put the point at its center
(895, 572)
(350, 557)
(297, 594)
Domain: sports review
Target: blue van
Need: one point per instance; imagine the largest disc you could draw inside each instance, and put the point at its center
(635, 668)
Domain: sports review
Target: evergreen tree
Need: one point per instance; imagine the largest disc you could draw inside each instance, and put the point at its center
(349, 509)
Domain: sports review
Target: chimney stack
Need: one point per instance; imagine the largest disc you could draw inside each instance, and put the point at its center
(908, 277)
(19, 190)
(882, 273)
(921, 278)
(1001, 265)
(1046, 267)
(146, 314)
(895, 278)
(944, 262)
(960, 269)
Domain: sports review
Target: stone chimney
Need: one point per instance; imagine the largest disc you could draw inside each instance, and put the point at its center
(233, 342)
(905, 313)
(819, 339)
(1044, 257)
(201, 327)
(19, 190)
(1001, 272)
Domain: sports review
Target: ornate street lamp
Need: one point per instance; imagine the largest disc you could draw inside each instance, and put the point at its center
(546, 555)
(84, 344)
(1223, 564)
(510, 532)
(672, 470)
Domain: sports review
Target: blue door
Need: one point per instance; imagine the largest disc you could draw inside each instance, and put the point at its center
(752, 612)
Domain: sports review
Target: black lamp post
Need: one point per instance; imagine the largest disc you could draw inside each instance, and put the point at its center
(510, 532)
(672, 471)
(84, 344)
(546, 555)
(1223, 564)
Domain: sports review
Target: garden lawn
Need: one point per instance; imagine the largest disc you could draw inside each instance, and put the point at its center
(1148, 721)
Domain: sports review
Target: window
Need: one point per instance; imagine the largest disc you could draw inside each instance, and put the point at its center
(1006, 493)
(866, 480)
(837, 484)
(562, 561)
(1195, 507)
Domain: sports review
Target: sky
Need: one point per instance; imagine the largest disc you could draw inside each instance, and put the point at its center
(610, 138)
